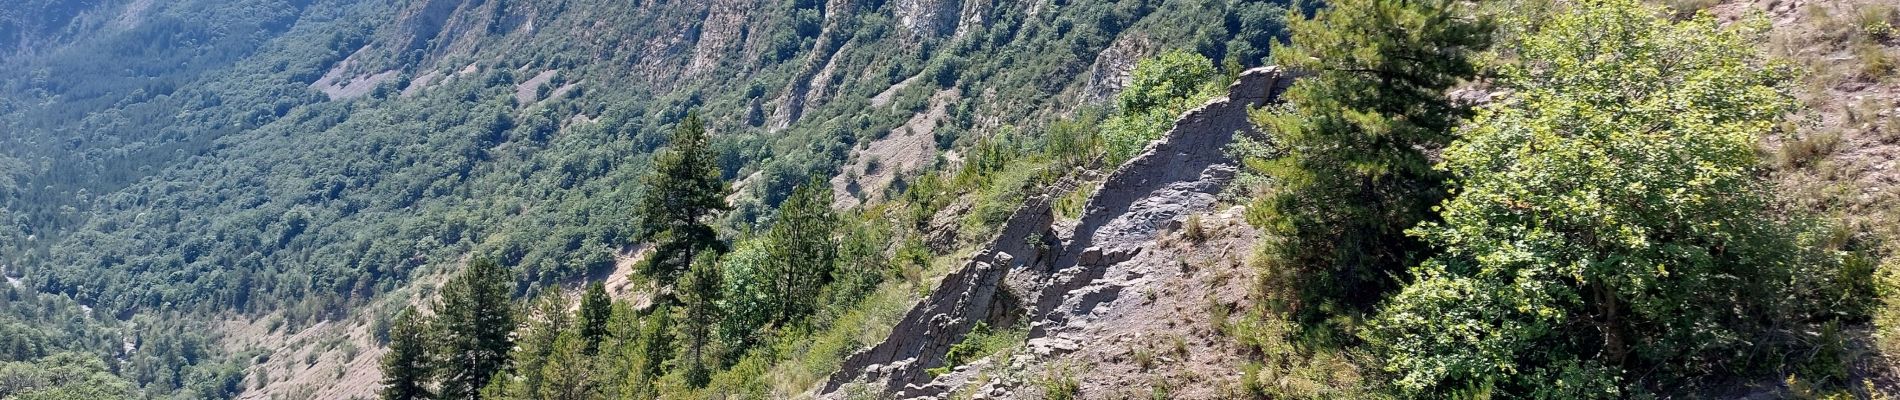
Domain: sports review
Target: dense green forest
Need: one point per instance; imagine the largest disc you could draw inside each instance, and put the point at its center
(634, 200)
(170, 165)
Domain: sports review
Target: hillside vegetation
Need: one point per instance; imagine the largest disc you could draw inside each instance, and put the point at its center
(949, 199)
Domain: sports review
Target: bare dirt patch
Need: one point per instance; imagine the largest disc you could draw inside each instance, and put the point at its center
(1844, 144)
(343, 81)
(329, 360)
(884, 98)
(421, 82)
(528, 91)
(903, 150)
(133, 15)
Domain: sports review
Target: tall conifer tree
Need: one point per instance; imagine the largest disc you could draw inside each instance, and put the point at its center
(545, 321)
(406, 365)
(701, 298)
(596, 308)
(683, 192)
(475, 321)
(803, 251)
(653, 349)
(568, 374)
(1351, 171)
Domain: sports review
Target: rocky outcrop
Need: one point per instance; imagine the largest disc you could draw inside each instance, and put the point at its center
(1113, 67)
(721, 33)
(1181, 172)
(929, 18)
(343, 81)
(813, 83)
(422, 21)
(974, 293)
(977, 14)
(1053, 274)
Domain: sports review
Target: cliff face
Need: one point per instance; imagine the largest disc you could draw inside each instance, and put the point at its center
(1123, 273)
(930, 18)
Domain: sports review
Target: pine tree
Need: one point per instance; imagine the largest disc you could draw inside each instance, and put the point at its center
(619, 362)
(653, 349)
(406, 365)
(475, 321)
(683, 192)
(701, 306)
(803, 252)
(861, 262)
(567, 374)
(1350, 170)
(547, 319)
(596, 308)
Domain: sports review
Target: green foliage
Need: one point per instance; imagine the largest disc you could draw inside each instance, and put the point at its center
(1074, 141)
(803, 251)
(683, 193)
(544, 321)
(568, 374)
(653, 348)
(1877, 21)
(1166, 79)
(474, 325)
(862, 263)
(1299, 362)
(748, 302)
(175, 166)
(1886, 316)
(1349, 169)
(1595, 226)
(406, 373)
(596, 310)
(1002, 173)
(1059, 383)
(1159, 90)
(980, 342)
(700, 306)
(65, 375)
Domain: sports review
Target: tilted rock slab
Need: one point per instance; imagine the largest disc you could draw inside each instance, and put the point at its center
(1036, 273)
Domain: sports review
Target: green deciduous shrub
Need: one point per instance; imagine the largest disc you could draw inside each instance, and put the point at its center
(1160, 89)
(1600, 231)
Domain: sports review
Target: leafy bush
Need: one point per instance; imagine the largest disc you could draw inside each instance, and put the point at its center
(747, 301)
(1595, 225)
(1159, 90)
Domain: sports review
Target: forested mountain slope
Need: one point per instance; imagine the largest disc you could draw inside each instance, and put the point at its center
(311, 168)
(947, 199)
(173, 164)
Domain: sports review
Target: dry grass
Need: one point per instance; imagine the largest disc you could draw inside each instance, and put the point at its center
(1808, 150)
(1301, 366)
(1194, 230)
(1872, 23)
(1876, 63)
(1684, 9)
(1836, 160)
